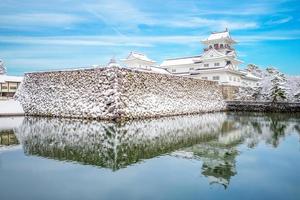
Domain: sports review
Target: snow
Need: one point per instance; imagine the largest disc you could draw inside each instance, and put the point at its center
(6, 78)
(10, 107)
(219, 35)
(179, 61)
(153, 69)
(139, 56)
(116, 93)
(289, 85)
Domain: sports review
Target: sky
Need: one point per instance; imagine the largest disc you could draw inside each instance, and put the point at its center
(39, 35)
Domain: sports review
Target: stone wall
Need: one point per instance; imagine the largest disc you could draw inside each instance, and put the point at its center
(115, 93)
(229, 92)
(262, 106)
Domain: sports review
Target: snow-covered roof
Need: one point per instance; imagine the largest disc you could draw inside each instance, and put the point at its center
(251, 76)
(139, 56)
(153, 69)
(179, 61)
(219, 36)
(216, 69)
(113, 63)
(6, 78)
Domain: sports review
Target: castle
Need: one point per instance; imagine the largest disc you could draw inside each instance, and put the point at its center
(218, 62)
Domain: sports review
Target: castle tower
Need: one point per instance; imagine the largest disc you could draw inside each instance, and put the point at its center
(220, 41)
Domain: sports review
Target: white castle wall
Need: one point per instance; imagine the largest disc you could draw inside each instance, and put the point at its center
(115, 93)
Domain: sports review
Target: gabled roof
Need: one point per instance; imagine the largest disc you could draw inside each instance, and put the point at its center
(138, 56)
(6, 78)
(248, 75)
(179, 61)
(219, 36)
(214, 52)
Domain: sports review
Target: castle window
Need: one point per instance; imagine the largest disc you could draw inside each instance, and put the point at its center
(210, 46)
(215, 78)
(204, 78)
(206, 65)
(217, 64)
(216, 46)
(221, 46)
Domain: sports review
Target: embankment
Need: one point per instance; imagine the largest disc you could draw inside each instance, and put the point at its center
(116, 93)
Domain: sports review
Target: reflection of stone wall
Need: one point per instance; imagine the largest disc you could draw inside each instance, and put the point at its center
(114, 93)
(115, 145)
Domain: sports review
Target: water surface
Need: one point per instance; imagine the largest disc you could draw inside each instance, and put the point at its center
(209, 156)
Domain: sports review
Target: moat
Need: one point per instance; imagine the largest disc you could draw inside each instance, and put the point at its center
(209, 156)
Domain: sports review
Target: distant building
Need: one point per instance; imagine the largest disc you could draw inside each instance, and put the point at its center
(217, 63)
(8, 84)
(141, 62)
(113, 63)
(138, 61)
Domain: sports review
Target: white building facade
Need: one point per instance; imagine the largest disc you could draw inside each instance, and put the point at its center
(138, 61)
(8, 84)
(218, 62)
(141, 62)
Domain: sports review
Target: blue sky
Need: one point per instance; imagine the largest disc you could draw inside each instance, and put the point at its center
(42, 35)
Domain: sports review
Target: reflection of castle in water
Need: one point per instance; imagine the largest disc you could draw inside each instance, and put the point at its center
(212, 138)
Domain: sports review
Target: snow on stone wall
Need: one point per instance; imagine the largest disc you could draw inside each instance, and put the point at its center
(116, 93)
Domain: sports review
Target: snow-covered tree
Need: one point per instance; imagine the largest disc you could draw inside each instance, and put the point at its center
(273, 86)
(2, 68)
(254, 69)
(297, 95)
(277, 91)
(244, 94)
(256, 92)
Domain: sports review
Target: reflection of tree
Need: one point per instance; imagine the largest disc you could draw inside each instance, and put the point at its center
(278, 131)
(269, 127)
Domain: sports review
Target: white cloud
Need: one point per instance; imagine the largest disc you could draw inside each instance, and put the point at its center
(196, 22)
(279, 21)
(122, 15)
(142, 41)
(39, 19)
(133, 41)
